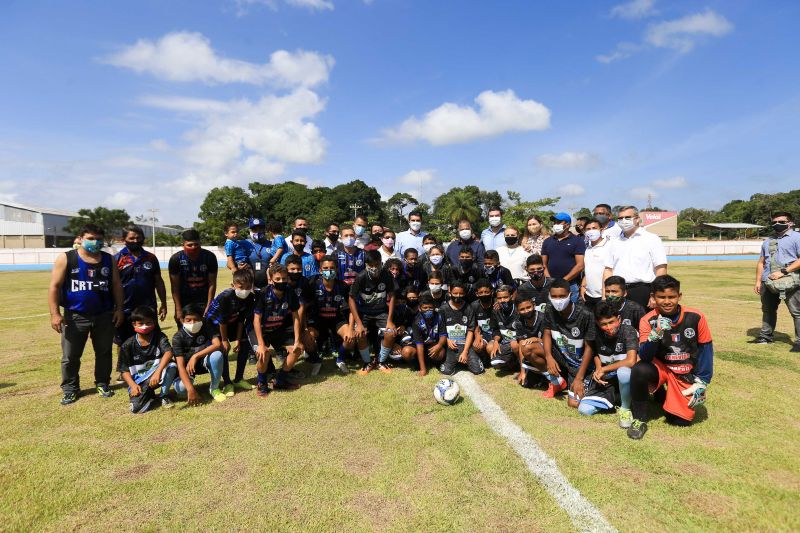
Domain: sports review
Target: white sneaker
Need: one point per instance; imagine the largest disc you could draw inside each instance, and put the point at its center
(342, 366)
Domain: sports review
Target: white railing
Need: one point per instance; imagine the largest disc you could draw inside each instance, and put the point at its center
(46, 256)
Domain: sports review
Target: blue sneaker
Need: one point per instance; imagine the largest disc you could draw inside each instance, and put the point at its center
(69, 397)
(104, 391)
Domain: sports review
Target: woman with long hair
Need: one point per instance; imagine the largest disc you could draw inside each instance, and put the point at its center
(534, 235)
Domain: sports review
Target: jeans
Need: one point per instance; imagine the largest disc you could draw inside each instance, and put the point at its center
(574, 292)
(75, 331)
(212, 364)
(769, 309)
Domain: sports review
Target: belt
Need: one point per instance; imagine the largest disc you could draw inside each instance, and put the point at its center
(637, 284)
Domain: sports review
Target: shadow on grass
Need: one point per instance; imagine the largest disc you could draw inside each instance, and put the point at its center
(777, 336)
(4, 385)
(755, 360)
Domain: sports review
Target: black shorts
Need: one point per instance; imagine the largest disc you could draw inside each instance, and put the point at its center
(328, 329)
(375, 322)
(277, 338)
(602, 396)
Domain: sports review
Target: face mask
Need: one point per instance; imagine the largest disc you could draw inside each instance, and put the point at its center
(466, 264)
(558, 229)
(193, 327)
(611, 331)
(780, 227)
(388, 243)
(319, 255)
(465, 234)
(602, 219)
(243, 293)
(506, 306)
(625, 224)
(295, 276)
(280, 285)
(191, 252)
(377, 236)
(394, 273)
(412, 304)
(92, 246)
(359, 230)
(333, 236)
(593, 234)
(527, 315)
(427, 247)
(494, 221)
(436, 259)
(133, 246)
(486, 299)
(329, 274)
(613, 299)
(349, 242)
(427, 314)
(511, 241)
(144, 330)
(415, 226)
(435, 288)
(256, 236)
(457, 299)
(559, 303)
(536, 276)
(373, 271)
(489, 270)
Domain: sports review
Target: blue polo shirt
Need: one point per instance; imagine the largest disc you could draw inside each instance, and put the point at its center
(406, 239)
(787, 253)
(454, 248)
(492, 240)
(561, 254)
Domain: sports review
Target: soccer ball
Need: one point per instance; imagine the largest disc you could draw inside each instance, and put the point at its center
(446, 391)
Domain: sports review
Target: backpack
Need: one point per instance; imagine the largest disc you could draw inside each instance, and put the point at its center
(783, 284)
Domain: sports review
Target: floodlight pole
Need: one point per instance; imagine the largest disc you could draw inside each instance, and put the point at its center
(355, 208)
(153, 212)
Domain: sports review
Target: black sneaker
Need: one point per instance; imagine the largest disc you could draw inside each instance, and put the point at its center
(262, 390)
(104, 391)
(795, 348)
(761, 340)
(69, 397)
(637, 430)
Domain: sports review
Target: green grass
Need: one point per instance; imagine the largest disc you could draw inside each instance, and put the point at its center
(377, 453)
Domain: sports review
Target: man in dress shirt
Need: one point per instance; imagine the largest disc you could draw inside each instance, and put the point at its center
(412, 238)
(493, 237)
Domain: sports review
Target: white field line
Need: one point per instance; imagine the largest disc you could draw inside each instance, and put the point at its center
(584, 515)
(21, 317)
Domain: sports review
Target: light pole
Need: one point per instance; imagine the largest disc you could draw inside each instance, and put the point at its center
(153, 212)
(355, 208)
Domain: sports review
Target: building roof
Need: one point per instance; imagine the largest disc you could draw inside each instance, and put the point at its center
(731, 225)
(43, 210)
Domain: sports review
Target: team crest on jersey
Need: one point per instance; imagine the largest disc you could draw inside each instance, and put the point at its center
(105, 271)
(688, 333)
(147, 265)
(676, 337)
(464, 319)
(359, 262)
(285, 305)
(337, 298)
(576, 332)
(381, 286)
(203, 268)
(626, 321)
(618, 347)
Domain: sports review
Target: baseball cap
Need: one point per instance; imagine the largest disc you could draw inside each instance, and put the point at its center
(253, 222)
(562, 217)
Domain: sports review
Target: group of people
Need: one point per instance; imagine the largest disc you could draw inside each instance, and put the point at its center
(590, 313)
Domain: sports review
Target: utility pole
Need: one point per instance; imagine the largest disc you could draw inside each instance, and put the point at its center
(355, 208)
(153, 212)
(650, 201)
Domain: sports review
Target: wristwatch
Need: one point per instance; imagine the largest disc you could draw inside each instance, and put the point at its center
(784, 271)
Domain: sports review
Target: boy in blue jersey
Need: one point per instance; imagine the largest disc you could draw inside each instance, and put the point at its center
(276, 324)
(237, 250)
(197, 349)
(349, 256)
(428, 334)
(279, 246)
(85, 282)
(230, 311)
(306, 259)
(145, 361)
(260, 257)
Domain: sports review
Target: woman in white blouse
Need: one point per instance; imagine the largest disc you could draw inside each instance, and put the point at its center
(512, 255)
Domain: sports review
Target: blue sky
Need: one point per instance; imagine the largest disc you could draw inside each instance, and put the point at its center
(109, 104)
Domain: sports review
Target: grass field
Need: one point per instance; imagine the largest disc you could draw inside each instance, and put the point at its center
(377, 453)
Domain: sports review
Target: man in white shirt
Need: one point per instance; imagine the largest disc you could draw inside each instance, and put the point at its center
(637, 255)
(493, 236)
(332, 238)
(602, 214)
(412, 238)
(512, 255)
(300, 224)
(594, 262)
(361, 229)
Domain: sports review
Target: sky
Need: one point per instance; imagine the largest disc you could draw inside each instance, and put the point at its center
(150, 104)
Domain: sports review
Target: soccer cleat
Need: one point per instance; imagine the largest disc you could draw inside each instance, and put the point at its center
(383, 367)
(342, 366)
(141, 404)
(315, 368)
(262, 390)
(104, 391)
(227, 390)
(795, 348)
(120, 379)
(284, 385)
(762, 340)
(366, 369)
(166, 403)
(69, 397)
(218, 396)
(625, 418)
(637, 429)
(552, 389)
(242, 385)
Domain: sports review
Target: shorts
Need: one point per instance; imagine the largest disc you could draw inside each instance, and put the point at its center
(277, 338)
(474, 363)
(569, 373)
(675, 402)
(328, 330)
(603, 397)
(375, 322)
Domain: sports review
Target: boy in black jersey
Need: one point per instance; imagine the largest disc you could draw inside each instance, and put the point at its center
(276, 324)
(231, 311)
(437, 288)
(481, 310)
(528, 330)
(460, 326)
(197, 349)
(145, 361)
(330, 320)
(496, 273)
(192, 274)
(567, 327)
(429, 335)
(372, 306)
(406, 308)
(615, 347)
(301, 286)
(503, 349)
(466, 271)
(412, 274)
(537, 287)
(629, 312)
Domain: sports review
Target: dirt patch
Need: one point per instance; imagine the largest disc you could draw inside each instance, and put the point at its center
(785, 479)
(380, 512)
(707, 503)
(133, 472)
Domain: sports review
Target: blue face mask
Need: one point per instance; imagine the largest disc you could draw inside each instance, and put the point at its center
(427, 314)
(92, 246)
(329, 274)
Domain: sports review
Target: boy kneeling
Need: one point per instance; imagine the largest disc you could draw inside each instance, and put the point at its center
(676, 351)
(145, 361)
(429, 335)
(198, 350)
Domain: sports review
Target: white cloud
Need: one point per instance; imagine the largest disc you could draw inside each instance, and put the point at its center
(417, 177)
(569, 160)
(571, 189)
(311, 4)
(243, 6)
(678, 182)
(121, 199)
(496, 113)
(635, 9)
(185, 104)
(185, 56)
(643, 193)
(682, 34)
(159, 145)
(621, 51)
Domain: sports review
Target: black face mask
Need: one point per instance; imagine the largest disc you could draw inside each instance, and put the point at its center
(295, 276)
(466, 264)
(281, 285)
(486, 299)
(511, 241)
(412, 304)
(134, 246)
(779, 227)
(333, 237)
(456, 299)
(536, 276)
(527, 315)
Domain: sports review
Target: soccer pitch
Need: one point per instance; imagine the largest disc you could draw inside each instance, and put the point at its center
(378, 453)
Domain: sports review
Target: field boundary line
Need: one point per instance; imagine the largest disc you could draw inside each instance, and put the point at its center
(21, 317)
(584, 515)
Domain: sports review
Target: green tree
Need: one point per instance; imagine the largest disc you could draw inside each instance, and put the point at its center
(690, 221)
(395, 207)
(111, 220)
(518, 211)
(459, 204)
(223, 204)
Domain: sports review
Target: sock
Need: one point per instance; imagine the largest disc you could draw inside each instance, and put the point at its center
(624, 380)
(364, 354)
(557, 380)
(342, 353)
(262, 378)
(384, 353)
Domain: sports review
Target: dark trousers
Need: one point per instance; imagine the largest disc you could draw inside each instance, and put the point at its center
(639, 293)
(769, 312)
(75, 331)
(644, 375)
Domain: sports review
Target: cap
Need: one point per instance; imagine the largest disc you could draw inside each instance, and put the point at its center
(255, 222)
(562, 217)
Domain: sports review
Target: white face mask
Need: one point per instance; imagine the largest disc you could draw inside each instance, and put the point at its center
(193, 327)
(494, 221)
(415, 226)
(626, 224)
(436, 259)
(559, 303)
(358, 229)
(243, 293)
(435, 287)
(427, 247)
(465, 234)
(558, 229)
(593, 234)
(348, 242)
